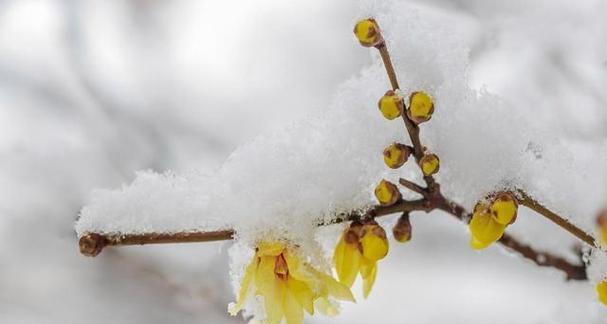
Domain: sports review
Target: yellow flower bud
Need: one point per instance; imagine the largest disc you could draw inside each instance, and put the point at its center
(504, 208)
(367, 32)
(374, 242)
(387, 193)
(403, 229)
(601, 289)
(391, 105)
(430, 164)
(421, 107)
(396, 155)
(484, 229)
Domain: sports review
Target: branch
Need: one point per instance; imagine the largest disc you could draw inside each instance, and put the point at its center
(526, 200)
(544, 259)
(92, 244)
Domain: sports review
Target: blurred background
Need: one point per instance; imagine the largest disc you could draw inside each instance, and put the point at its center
(91, 91)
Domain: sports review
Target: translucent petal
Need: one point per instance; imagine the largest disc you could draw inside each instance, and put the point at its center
(349, 266)
(504, 210)
(302, 293)
(326, 307)
(375, 247)
(368, 272)
(293, 310)
(601, 289)
(244, 287)
(336, 289)
(270, 288)
(296, 268)
(339, 255)
(270, 249)
(484, 230)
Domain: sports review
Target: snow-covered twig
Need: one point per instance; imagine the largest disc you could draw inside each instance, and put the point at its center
(91, 244)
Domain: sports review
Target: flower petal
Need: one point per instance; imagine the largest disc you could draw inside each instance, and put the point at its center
(374, 243)
(368, 271)
(293, 310)
(270, 288)
(326, 307)
(244, 287)
(302, 293)
(347, 263)
(270, 249)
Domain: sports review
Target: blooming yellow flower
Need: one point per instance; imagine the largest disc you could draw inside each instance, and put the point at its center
(358, 250)
(288, 285)
(484, 227)
(601, 289)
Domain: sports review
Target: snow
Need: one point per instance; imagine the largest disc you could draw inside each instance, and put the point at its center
(136, 92)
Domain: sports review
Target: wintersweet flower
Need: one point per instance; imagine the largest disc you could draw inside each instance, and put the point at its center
(430, 164)
(387, 193)
(357, 252)
(288, 285)
(421, 107)
(504, 208)
(367, 32)
(391, 105)
(396, 155)
(601, 289)
(484, 227)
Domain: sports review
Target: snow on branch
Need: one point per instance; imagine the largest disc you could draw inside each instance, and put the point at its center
(322, 170)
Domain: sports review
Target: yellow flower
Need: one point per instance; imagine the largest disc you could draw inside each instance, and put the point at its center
(396, 155)
(357, 252)
(430, 164)
(484, 228)
(421, 107)
(387, 193)
(367, 32)
(504, 208)
(601, 289)
(288, 285)
(391, 105)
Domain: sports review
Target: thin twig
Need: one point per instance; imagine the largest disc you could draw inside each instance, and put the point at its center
(526, 200)
(385, 56)
(92, 244)
(413, 187)
(543, 259)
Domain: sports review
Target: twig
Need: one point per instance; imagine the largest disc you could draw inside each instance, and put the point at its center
(526, 200)
(385, 56)
(413, 187)
(92, 244)
(543, 259)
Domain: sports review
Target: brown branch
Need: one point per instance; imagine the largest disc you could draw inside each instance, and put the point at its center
(413, 187)
(92, 244)
(544, 259)
(385, 56)
(526, 200)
